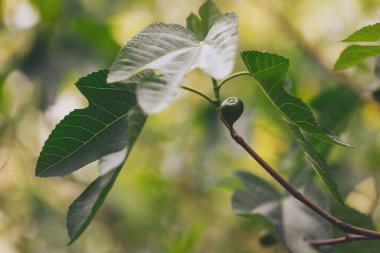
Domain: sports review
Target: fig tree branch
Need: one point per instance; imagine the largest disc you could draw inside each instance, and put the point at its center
(345, 227)
(339, 240)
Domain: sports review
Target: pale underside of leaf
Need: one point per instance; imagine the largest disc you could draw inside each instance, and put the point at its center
(175, 51)
(111, 161)
(293, 221)
(301, 223)
(270, 70)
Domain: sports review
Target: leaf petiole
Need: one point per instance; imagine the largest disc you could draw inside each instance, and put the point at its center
(237, 74)
(216, 89)
(212, 101)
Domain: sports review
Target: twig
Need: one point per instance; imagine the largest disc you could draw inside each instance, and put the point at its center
(339, 240)
(348, 228)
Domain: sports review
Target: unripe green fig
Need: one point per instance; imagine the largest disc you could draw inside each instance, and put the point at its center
(231, 110)
(267, 238)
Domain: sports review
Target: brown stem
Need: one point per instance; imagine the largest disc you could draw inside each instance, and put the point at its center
(339, 240)
(348, 228)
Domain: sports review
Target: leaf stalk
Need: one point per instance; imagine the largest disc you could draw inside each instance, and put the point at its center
(212, 101)
(216, 89)
(237, 74)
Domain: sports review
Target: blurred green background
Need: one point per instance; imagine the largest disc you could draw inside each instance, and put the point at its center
(174, 192)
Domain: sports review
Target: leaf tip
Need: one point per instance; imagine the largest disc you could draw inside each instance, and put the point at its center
(40, 173)
(71, 241)
(338, 66)
(231, 14)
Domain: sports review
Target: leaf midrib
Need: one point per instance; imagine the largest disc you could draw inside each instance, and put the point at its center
(85, 143)
(270, 68)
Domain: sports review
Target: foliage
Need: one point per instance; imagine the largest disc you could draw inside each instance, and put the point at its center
(270, 71)
(286, 213)
(106, 131)
(147, 74)
(209, 14)
(370, 33)
(165, 199)
(179, 53)
(355, 54)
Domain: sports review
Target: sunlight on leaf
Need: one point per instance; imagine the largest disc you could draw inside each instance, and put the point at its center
(363, 196)
(175, 51)
(111, 161)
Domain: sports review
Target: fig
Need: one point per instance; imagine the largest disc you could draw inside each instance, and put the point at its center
(231, 110)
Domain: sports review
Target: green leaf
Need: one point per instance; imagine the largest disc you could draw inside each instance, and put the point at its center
(270, 70)
(194, 24)
(86, 135)
(175, 51)
(257, 195)
(84, 208)
(293, 221)
(370, 33)
(319, 164)
(106, 131)
(209, 14)
(355, 54)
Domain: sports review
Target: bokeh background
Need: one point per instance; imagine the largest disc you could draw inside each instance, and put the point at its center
(174, 193)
